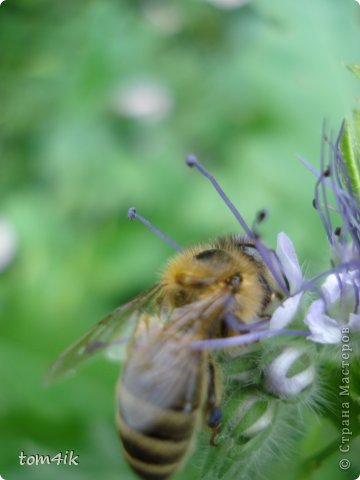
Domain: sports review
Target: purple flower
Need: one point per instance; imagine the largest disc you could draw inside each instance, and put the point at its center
(334, 179)
(338, 307)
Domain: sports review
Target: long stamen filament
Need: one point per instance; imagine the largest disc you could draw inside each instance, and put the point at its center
(220, 343)
(323, 187)
(235, 324)
(132, 214)
(192, 161)
(353, 264)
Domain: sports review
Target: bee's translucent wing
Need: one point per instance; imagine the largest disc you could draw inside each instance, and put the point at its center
(104, 334)
(164, 372)
(160, 378)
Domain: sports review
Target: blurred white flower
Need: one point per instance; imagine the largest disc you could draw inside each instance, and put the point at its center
(163, 16)
(143, 100)
(227, 4)
(339, 307)
(8, 242)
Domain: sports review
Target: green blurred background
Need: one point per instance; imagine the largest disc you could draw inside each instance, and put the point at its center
(100, 101)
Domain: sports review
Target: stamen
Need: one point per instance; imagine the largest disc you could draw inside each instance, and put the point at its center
(334, 183)
(340, 284)
(308, 166)
(192, 161)
(318, 209)
(353, 264)
(357, 295)
(132, 214)
(327, 172)
(230, 342)
(260, 217)
(265, 253)
(339, 183)
(347, 205)
(235, 324)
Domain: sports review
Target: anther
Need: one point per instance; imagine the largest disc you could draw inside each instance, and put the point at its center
(132, 214)
(261, 215)
(337, 231)
(191, 160)
(314, 203)
(327, 172)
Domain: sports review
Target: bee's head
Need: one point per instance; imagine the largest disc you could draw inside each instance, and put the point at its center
(198, 273)
(205, 268)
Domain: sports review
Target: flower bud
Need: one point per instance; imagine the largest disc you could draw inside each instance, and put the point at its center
(250, 415)
(289, 373)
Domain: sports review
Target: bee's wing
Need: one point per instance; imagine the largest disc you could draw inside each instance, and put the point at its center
(165, 373)
(160, 377)
(104, 334)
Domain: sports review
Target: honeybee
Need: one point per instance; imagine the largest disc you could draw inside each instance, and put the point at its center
(167, 388)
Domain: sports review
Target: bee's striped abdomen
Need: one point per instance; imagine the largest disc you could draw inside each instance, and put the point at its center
(154, 454)
(157, 425)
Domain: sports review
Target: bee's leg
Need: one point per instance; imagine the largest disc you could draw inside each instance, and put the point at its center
(213, 405)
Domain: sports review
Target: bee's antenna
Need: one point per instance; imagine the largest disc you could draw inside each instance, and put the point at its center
(266, 254)
(132, 214)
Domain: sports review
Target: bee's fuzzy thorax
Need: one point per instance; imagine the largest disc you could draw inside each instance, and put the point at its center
(204, 269)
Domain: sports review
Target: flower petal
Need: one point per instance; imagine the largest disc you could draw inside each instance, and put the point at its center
(339, 294)
(331, 288)
(354, 322)
(289, 261)
(324, 329)
(285, 313)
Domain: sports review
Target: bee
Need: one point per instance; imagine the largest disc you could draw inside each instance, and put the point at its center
(169, 386)
(166, 387)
